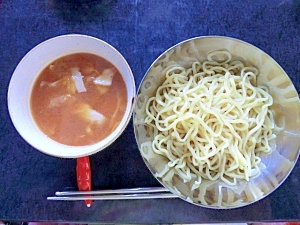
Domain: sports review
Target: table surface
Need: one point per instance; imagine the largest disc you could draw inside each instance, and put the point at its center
(141, 30)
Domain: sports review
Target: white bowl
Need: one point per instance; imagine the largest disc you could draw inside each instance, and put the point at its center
(278, 164)
(29, 68)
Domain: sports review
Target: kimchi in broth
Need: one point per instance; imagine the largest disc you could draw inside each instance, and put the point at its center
(79, 99)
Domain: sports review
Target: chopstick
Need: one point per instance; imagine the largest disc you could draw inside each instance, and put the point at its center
(114, 191)
(117, 194)
(113, 197)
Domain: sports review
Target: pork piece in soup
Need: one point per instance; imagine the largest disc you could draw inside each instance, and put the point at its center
(79, 99)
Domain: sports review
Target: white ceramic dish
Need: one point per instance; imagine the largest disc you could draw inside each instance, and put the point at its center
(278, 164)
(29, 68)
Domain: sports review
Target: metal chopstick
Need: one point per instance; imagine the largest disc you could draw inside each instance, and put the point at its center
(116, 191)
(118, 194)
(114, 197)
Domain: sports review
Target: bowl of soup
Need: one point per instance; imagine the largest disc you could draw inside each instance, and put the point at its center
(71, 96)
(216, 121)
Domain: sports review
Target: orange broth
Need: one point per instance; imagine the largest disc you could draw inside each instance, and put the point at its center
(71, 116)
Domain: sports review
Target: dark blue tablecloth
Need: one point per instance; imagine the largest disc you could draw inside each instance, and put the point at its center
(141, 30)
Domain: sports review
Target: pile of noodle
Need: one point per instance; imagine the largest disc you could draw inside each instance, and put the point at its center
(211, 121)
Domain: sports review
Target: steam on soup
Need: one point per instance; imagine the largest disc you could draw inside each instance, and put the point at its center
(79, 99)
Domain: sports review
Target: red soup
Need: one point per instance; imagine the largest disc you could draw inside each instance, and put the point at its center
(79, 99)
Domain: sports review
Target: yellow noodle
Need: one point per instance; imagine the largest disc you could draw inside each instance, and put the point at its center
(211, 121)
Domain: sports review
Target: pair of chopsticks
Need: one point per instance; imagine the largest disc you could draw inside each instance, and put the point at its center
(118, 194)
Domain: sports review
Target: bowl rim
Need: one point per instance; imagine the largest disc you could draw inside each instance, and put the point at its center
(88, 149)
(135, 131)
